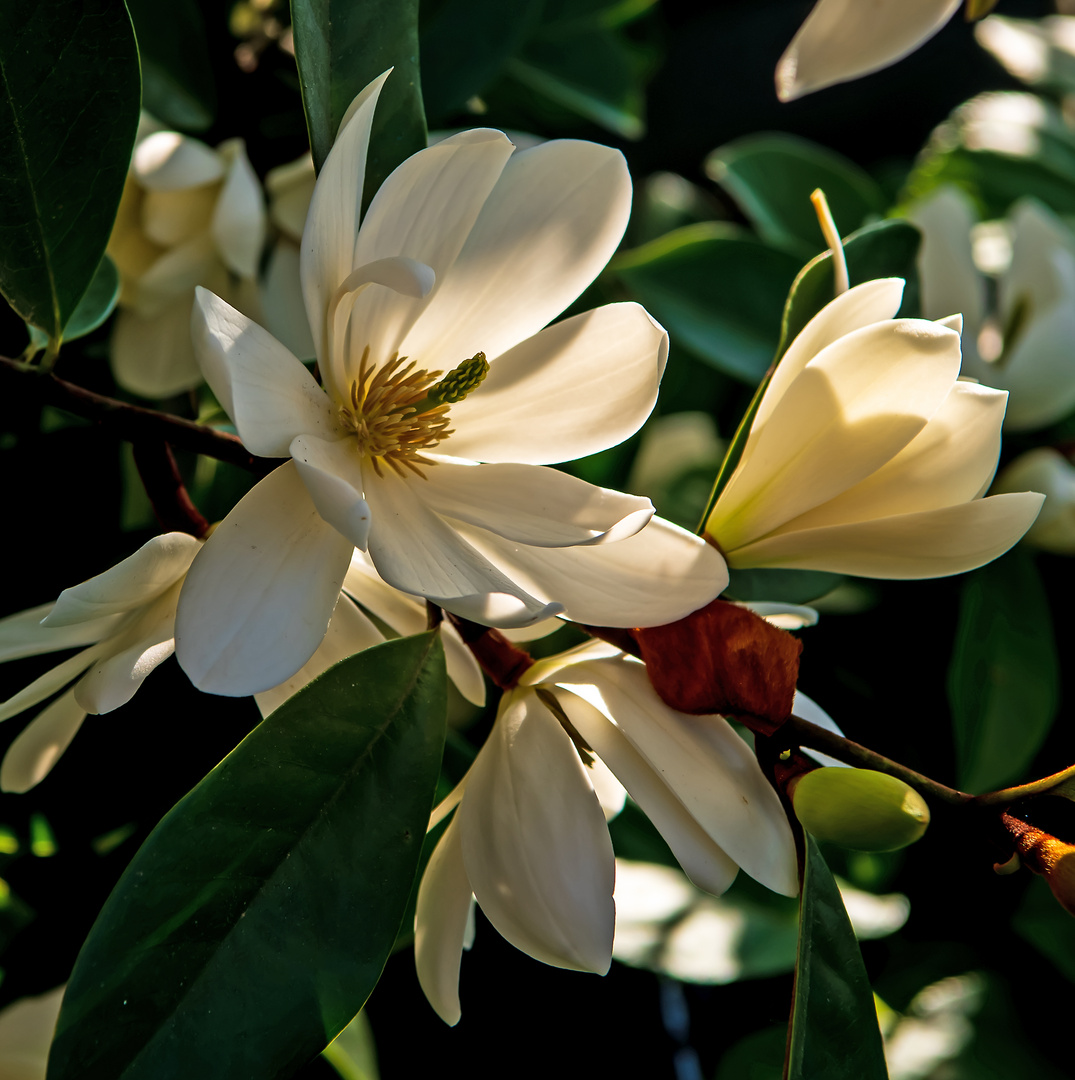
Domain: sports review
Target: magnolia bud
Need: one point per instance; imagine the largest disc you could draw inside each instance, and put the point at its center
(859, 808)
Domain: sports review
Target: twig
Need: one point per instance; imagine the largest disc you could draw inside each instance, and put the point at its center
(166, 490)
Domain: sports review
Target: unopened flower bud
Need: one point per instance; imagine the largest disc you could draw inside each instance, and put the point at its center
(859, 808)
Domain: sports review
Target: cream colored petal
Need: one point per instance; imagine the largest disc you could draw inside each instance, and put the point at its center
(174, 217)
(930, 544)
(349, 632)
(535, 844)
(258, 598)
(281, 301)
(175, 274)
(576, 388)
(239, 218)
(168, 161)
(290, 188)
(147, 574)
(332, 472)
(854, 407)
(552, 222)
(55, 679)
(26, 1029)
(153, 356)
(844, 39)
(657, 576)
(808, 709)
(703, 861)
(23, 635)
(1046, 470)
(440, 925)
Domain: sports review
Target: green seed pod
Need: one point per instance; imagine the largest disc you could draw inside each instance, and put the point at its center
(859, 808)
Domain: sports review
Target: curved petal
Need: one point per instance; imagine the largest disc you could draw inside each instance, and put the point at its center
(281, 301)
(153, 356)
(808, 709)
(577, 387)
(239, 223)
(843, 39)
(1038, 269)
(29, 759)
(54, 679)
(332, 473)
(23, 635)
(1039, 372)
(349, 632)
(290, 188)
(552, 222)
(535, 844)
(148, 573)
(657, 576)
(710, 769)
(440, 925)
(258, 598)
(533, 505)
(1047, 470)
(175, 273)
(702, 860)
(267, 392)
(414, 550)
(328, 240)
(169, 218)
(856, 405)
(167, 161)
(934, 543)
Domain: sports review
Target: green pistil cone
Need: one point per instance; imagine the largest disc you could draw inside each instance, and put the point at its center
(460, 381)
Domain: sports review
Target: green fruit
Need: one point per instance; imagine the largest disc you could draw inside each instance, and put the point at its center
(859, 808)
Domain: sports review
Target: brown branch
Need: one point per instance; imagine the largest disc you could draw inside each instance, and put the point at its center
(502, 661)
(167, 492)
(132, 423)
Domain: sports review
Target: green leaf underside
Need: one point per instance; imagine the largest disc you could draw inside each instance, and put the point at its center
(69, 96)
(341, 46)
(772, 176)
(834, 1033)
(791, 586)
(254, 922)
(97, 303)
(718, 290)
(1004, 677)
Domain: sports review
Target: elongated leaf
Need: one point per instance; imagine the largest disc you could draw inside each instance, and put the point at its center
(67, 127)
(341, 46)
(255, 920)
(97, 303)
(718, 290)
(1004, 678)
(834, 1031)
(771, 178)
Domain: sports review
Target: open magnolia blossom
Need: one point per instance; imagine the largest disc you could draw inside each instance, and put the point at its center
(427, 322)
(529, 840)
(867, 454)
(1048, 471)
(1024, 345)
(190, 215)
(127, 617)
(844, 39)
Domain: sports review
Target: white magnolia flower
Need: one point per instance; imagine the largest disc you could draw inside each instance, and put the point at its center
(844, 39)
(1024, 346)
(867, 456)
(1037, 51)
(26, 1030)
(127, 617)
(1048, 471)
(529, 841)
(466, 252)
(190, 215)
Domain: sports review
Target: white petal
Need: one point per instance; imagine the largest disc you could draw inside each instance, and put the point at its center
(239, 218)
(808, 709)
(703, 861)
(31, 756)
(267, 392)
(258, 598)
(657, 576)
(46, 685)
(440, 925)
(174, 217)
(535, 843)
(554, 219)
(281, 301)
(576, 388)
(328, 240)
(153, 356)
(1039, 240)
(175, 274)
(148, 573)
(23, 635)
(414, 550)
(290, 188)
(167, 161)
(934, 543)
(349, 632)
(26, 1030)
(534, 505)
(843, 39)
(710, 769)
(1039, 371)
(332, 473)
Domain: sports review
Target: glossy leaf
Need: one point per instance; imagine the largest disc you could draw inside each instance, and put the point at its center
(66, 132)
(834, 1030)
(1047, 926)
(97, 303)
(254, 922)
(772, 176)
(352, 1053)
(1003, 681)
(791, 586)
(341, 46)
(718, 290)
(177, 77)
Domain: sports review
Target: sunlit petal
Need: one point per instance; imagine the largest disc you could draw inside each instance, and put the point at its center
(167, 161)
(23, 635)
(29, 759)
(332, 473)
(46, 685)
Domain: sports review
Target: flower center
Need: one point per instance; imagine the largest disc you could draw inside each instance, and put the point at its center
(397, 411)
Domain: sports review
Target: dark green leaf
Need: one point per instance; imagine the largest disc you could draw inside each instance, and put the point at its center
(760, 1056)
(97, 303)
(791, 586)
(69, 93)
(772, 176)
(342, 46)
(1047, 926)
(1003, 681)
(718, 290)
(177, 78)
(834, 1031)
(255, 920)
